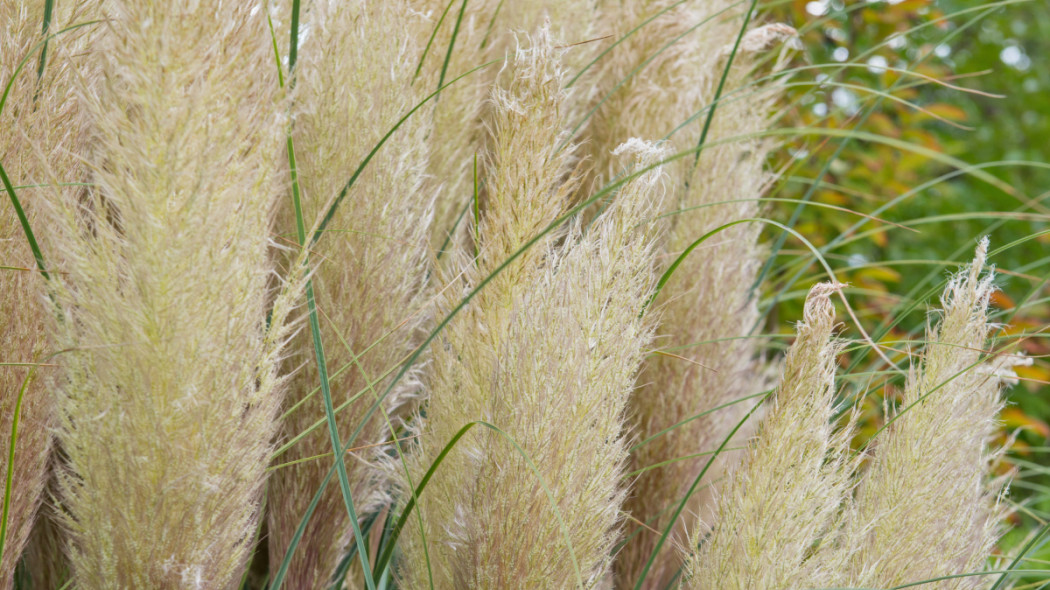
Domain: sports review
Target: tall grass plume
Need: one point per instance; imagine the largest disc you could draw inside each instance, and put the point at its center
(926, 507)
(371, 265)
(664, 80)
(785, 496)
(170, 394)
(546, 353)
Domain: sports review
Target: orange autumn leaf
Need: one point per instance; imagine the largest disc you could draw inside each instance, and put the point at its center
(1014, 418)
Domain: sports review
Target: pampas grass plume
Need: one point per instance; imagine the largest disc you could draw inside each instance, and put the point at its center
(926, 507)
(370, 267)
(34, 120)
(546, 353)
(782, 500)
(650, 86)
(169, 402)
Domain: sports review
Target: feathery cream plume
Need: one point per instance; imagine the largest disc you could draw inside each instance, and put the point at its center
(354, 82)
(654, 81)
(783, 499)
(925, 507)
(34, 149)
(169, 404)
(547, 353)
(477, 32)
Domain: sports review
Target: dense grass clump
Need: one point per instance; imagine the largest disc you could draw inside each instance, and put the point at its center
(435, 294)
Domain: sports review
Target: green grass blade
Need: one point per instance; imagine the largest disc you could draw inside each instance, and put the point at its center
(622, 39)
(49, 7)
(326, 392)
(969, 575)
(822, 174)
(697, 416)
(430, 41)
(371, 154)
(38, 256)
(689, 494)
(666, 276)
(315, 334)
(384, 559)
(492, 25)
(293, 41)
(25, 58)
(341, 571)
(452, 43)
(722, 81)
(276, 52)
(9, 477)
(637, 69)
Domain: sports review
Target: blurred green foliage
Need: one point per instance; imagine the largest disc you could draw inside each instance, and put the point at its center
(962, 79)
